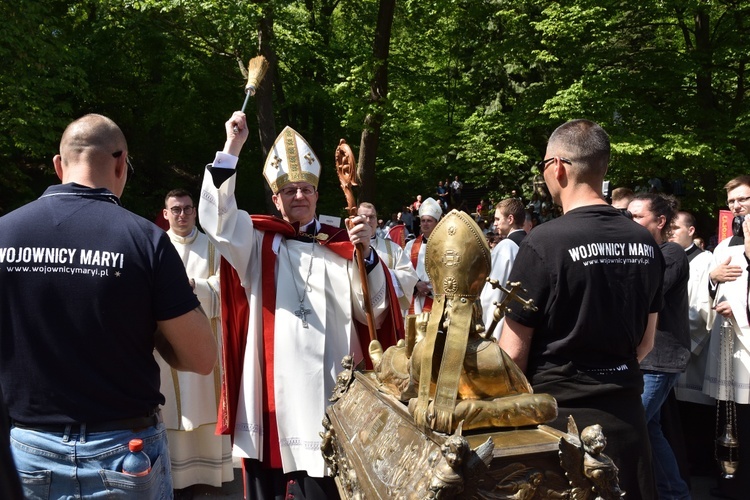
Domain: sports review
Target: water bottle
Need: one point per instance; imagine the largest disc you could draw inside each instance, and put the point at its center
(136, 462)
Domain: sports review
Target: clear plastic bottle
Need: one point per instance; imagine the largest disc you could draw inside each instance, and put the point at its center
(136, 462)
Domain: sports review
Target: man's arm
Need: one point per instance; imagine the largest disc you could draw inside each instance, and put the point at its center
(647, 342)
(229, 229)
(515, 340)
(187, 342)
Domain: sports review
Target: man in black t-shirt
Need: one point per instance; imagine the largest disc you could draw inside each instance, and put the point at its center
(87, 291)
(596, 279)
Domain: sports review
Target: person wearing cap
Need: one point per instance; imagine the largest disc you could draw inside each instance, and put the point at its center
(88, 290)
(293, 309)
(198, 455)
(403, 275)
(429, 215)
(510, 215)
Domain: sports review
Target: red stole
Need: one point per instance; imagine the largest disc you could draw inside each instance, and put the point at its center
(235, 314)
(427, 307)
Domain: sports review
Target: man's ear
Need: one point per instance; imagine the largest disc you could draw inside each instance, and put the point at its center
(165, 214)
(121, 167)
(662, 221)
(57, 162)
(691, 231)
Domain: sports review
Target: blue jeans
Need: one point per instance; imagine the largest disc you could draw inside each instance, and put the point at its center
(656, 388)
(88, 465)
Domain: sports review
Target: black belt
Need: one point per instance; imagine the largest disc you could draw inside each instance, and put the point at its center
(135, 423)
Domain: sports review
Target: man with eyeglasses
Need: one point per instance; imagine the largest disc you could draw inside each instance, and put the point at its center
(82, 290)
(294, 309)
(198, 455)
(403, 275)
(729, 290)
(596, 280)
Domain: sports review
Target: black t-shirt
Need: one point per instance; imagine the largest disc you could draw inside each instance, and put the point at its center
(671, 351)
(595, 276)
(82, 284)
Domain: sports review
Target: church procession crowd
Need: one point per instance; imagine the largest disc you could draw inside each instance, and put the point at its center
(221, 344)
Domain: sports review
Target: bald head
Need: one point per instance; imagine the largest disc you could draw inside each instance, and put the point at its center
(89, 138)
(93, 152)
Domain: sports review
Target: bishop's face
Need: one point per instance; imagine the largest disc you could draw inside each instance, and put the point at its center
(297, 202)
(427, 224)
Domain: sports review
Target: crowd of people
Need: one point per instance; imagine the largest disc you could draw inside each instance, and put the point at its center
(205, 346)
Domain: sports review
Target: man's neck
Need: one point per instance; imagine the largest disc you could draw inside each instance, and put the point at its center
(305, 226)
(581, 199)
(182, 232)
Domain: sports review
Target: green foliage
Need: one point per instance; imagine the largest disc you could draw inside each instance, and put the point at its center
(475, 88)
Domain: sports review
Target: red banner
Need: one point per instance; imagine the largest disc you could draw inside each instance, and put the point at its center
(725, 224)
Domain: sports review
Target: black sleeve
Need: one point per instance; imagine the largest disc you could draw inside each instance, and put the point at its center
(220, 175)
(529, 269)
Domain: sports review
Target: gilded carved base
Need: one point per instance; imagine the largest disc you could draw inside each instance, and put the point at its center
(375, 450)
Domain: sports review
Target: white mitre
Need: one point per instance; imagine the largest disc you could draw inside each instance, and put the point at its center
(291, 159)
(432, 208)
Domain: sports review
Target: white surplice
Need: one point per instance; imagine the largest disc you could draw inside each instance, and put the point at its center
(736, 293)
(502, 256)
(420, 268)
(403, 275)
(190, 412)
(701, 316)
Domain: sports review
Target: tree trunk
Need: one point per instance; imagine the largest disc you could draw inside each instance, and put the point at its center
(264, 99)
(368, 146)
(704, 89)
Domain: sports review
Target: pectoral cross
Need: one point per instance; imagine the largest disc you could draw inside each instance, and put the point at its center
(302, 314)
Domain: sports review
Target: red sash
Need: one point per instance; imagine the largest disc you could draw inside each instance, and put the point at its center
(235, 313)
(427, 307)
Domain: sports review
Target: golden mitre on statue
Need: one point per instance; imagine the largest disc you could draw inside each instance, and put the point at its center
(291, 159)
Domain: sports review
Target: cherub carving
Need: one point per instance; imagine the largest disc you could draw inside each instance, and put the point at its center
(328, 447)
(517, 481)
(344, 379)
(460, 467)
(591, 473)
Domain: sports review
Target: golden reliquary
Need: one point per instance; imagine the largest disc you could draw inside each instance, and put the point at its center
(447, 413)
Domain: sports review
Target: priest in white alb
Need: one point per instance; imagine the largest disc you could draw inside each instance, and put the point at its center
(197, 454)
(430, 213)
(403, 275)
(292, 309)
